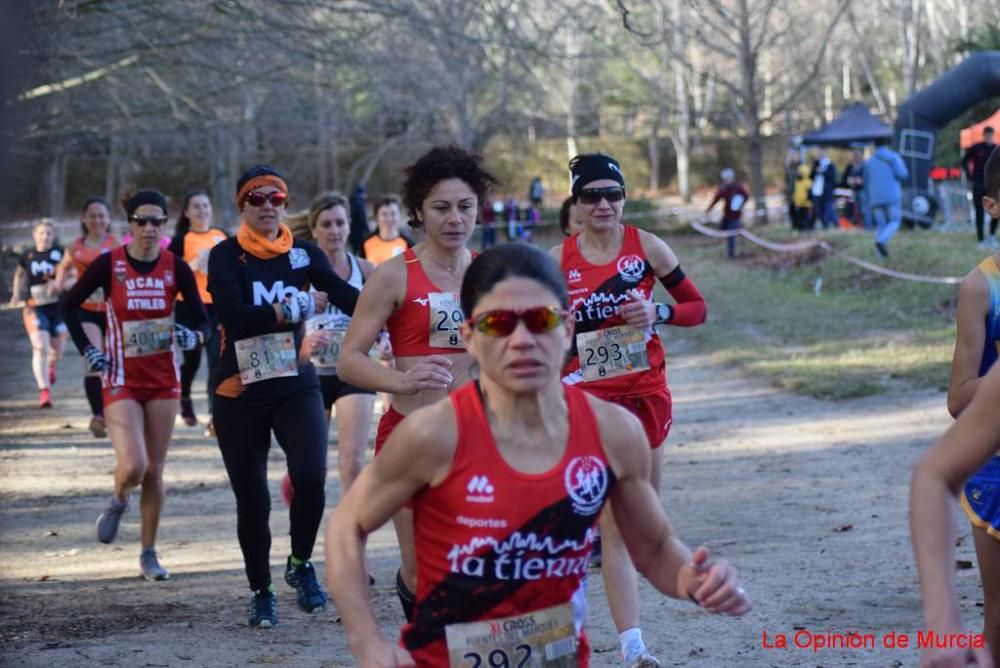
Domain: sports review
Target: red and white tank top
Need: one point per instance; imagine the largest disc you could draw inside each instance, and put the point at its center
(495, 544)
(427, 322)
(610, 358)
(140, 316)
(82, 256)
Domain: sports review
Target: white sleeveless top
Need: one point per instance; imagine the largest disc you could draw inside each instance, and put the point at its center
(336, 321)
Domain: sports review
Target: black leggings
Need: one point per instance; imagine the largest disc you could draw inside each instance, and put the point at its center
(192, 358)
(243, 427)
(977, 201)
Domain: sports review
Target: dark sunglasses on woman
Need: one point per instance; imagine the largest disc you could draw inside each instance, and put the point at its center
(594, 195)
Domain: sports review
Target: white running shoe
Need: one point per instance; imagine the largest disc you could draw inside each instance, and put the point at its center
(982, 245)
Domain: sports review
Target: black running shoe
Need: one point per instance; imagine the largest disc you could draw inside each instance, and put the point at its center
(264, 609)
(309, 595)
(187, 412)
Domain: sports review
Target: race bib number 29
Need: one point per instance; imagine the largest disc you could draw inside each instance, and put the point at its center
(446, 316)
(541, 639)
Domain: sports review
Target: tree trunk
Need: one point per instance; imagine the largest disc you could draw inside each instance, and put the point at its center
(54, 184)
(111, 167)
(682, 102)
(756, 151)
(654, 154)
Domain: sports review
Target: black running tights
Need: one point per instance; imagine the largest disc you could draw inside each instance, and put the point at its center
(243, 427)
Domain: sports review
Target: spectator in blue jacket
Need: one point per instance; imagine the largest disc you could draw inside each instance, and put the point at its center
(883, 172)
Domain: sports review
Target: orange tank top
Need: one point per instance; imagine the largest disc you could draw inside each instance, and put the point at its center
(197, 246)
(81, 256)
(378, 250)
(427, 321)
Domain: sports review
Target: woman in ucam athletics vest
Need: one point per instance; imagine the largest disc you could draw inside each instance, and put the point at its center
(138, 284)
(507, 477)
(260, 283)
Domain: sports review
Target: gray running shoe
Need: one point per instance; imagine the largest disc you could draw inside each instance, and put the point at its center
(646, 660)
(149, 565)
(107, 523)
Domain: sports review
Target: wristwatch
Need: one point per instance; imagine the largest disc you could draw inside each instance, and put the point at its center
(663, 313)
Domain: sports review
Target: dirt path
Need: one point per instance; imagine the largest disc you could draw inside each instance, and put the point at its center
(807, 498)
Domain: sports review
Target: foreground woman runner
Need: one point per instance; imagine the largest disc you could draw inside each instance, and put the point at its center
(977, 343)
(193, 239)
(96, 240)
(139, 283)
(36, 270)
(611, 270)
(259, 282)
(415, 297)
(939, 475)
(507, 477)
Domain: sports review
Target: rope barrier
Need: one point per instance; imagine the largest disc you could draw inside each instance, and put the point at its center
(800, 246)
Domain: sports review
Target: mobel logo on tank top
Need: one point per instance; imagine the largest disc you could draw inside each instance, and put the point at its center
(480, 490)
(273, 294)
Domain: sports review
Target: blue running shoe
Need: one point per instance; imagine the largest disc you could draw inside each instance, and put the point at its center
(264, 609)
(302, 578)
(108, 521)
(149, 565)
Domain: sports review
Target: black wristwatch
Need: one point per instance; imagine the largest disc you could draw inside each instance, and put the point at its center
(663, 313)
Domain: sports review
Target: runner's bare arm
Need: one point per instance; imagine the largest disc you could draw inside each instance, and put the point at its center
(973, 303)
(367, 267)
(20, 275)
(657, 552)
(380, 296)
(63, 270)
(689, 309)
(938, 477)
(341, 294)
(383, 292)
(419, 452)
(661, 257)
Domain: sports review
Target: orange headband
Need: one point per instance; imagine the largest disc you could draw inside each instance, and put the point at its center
(260, 182)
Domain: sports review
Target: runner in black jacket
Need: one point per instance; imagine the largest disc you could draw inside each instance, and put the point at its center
(259, 282)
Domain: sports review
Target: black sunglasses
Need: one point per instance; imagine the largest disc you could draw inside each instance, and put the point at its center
(142, 221)
(595, 195)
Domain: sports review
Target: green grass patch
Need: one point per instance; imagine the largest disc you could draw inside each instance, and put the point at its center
(817, 325)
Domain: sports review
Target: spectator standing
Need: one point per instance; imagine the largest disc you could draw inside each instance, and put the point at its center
(824, 180)
(882, 175)
(792, 163)
(734, 196)
(359, 219)
(854, 179)
(536, 192)
(974, 165)
(803, 205)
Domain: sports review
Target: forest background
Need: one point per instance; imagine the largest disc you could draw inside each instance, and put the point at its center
(101, 95)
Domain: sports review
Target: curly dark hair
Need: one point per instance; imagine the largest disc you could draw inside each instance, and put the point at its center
(439, 164)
